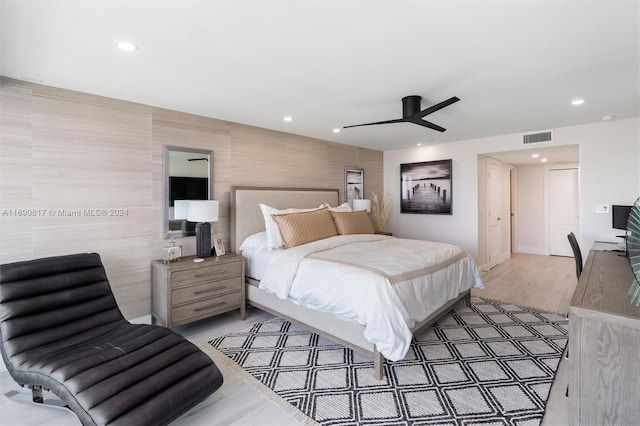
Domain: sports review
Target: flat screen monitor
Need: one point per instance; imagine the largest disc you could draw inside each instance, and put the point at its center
(620, 216)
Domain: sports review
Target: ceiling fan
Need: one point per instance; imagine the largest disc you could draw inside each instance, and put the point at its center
(411, 113)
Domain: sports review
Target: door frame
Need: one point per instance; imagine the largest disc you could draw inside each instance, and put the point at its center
(488, 264)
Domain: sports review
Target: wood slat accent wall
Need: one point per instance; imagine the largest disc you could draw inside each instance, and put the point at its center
(64, 152)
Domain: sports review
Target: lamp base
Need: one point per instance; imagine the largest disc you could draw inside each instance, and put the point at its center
(203, 239)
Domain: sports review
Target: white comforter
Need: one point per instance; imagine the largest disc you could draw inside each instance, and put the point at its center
(383, 283)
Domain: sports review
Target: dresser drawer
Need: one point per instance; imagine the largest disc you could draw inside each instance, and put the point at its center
(205, 290)
(206, 273)
(205, 308)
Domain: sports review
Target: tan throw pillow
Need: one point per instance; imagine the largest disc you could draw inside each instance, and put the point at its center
(352, 222)
(304, 227)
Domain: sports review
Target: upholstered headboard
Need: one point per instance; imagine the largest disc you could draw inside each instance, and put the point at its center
(246, 216)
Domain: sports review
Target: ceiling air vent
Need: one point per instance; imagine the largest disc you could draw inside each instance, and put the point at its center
(537, 137)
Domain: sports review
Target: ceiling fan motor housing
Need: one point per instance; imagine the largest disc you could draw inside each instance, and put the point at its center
(411, 105)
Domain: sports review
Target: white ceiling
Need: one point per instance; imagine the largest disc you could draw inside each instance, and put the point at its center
(540, 155)
(515, 65)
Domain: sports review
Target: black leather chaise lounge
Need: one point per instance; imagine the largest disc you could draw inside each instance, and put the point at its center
(62, 331)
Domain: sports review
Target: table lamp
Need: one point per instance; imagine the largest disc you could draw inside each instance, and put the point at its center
(203, 212)
(361, 205)
(180, 212)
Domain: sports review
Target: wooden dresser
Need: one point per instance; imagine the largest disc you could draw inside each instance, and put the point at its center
(604, 345)
(185, 291)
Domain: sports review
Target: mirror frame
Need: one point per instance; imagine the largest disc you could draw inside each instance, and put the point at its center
(165, 199)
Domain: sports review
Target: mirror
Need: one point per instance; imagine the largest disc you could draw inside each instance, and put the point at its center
(187, 176)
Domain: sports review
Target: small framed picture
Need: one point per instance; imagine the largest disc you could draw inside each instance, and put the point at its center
(219, 246)
(353, 184)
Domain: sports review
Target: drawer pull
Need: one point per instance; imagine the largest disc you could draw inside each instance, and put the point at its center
(209, 307)
(208, 274)
(211, 290)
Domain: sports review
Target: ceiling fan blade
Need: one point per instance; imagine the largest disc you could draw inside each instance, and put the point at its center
(400, 120)
(436, 107)
(428, 124)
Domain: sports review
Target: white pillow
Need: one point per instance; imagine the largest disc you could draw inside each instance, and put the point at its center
(274, 238)
(255, 241)
(344, 207)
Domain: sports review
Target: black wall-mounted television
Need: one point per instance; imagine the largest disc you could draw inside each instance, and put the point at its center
(620, 216)
(187, 188)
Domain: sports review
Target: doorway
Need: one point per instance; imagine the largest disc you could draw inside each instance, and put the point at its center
(525, 199)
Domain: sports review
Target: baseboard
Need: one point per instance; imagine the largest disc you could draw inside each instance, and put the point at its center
(532, 250)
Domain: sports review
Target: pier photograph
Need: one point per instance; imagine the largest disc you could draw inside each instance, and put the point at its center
(426, 187)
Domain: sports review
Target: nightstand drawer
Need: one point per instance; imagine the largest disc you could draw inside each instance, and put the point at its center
(204, 290)
(206, 273)
(205, 308)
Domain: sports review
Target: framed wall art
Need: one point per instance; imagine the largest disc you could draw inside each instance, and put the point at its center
(425, 187)
(353, 184)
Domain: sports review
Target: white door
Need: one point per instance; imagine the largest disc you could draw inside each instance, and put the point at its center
(494, 207)
(563, 210)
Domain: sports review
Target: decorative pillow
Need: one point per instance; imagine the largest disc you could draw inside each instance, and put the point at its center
(305, 227)
(274, 239)
(352, 222)
(255, 241)
(344, 207)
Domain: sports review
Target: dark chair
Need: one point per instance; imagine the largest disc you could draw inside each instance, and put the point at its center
(576, 253)
(62, 331)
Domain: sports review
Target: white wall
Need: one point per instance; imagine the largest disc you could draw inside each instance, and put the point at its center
(530, 219)
(609, 174)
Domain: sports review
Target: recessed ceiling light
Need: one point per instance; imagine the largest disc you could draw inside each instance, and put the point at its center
(287, 118)
(419, 144)
(544, 160)
(535, 155)
(577, 102)
(127, 47)
(336, 130)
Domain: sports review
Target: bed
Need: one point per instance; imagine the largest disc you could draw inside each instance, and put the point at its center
(247, 220)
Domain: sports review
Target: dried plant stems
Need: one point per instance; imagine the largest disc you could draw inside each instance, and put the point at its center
(380, 209)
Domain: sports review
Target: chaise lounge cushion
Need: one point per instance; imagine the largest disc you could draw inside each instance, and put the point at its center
(61, 329)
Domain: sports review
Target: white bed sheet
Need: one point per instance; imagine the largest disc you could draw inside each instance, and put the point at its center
(256, 261)
(361, 278)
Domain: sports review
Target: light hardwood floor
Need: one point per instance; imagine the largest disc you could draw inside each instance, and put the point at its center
(543, 282)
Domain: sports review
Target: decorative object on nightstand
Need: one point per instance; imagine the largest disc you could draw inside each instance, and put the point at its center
(171, 253)
(218, 245)
(184, 292)
(380, 209)
(203, 212)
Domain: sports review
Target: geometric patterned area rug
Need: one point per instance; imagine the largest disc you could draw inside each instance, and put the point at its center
(489, 364)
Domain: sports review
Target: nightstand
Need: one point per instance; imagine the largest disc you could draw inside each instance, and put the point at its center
(185, 291)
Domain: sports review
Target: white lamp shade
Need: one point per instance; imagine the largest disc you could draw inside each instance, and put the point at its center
(180, 209)
(362, 205)
(203, 211)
